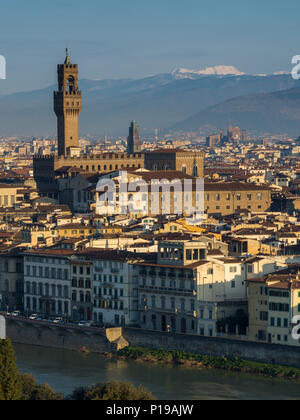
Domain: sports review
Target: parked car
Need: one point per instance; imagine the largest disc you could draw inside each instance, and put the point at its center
(58, 320)
(16, 313)
(89, 324)
(81, 324)
(33, 317)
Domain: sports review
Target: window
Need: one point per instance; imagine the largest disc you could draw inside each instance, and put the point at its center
(250, 269)
(173, 303)
(182, 304)
(264, 316)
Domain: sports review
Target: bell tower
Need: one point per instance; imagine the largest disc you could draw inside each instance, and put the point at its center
(67, 107)
(133, 140)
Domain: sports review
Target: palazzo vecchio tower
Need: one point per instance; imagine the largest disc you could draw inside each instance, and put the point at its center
(67, 106)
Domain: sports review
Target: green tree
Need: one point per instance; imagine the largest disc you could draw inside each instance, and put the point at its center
(44, 392)
(10, 380)
(113, 391)
(29, 386)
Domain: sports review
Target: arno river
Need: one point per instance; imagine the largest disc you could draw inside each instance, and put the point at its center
(66, 370)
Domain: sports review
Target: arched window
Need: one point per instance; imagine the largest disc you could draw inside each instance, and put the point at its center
(71, 85)
(195, 171)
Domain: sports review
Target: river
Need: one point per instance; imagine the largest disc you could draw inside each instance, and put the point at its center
(66, 370)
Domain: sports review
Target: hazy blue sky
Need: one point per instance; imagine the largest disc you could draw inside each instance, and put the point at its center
(137, 38)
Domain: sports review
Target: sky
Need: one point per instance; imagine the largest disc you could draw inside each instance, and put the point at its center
(138, 38)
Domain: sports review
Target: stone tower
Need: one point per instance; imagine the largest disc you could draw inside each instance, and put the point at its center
(67, 107)
(133, 141)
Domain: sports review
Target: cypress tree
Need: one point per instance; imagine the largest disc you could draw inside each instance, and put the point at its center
(10, 381)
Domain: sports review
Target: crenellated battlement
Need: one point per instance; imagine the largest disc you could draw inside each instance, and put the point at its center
(43, 157)
(66, 93)
(104, 156)
(68, 66)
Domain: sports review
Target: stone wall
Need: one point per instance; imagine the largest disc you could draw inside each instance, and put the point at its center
(54, 336)
(267, 353)
(99, 341)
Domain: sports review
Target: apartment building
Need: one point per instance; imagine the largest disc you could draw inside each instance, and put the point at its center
(115, 286)
(81, 289)
(225, 198)
(47, 282)
(221, 293)
(168, 288)
(274, 301)
(11, 195)
(11, 279)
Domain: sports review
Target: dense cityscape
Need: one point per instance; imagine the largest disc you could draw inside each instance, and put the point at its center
(174, 246)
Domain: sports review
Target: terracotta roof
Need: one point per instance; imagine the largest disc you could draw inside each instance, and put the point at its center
(234, 186)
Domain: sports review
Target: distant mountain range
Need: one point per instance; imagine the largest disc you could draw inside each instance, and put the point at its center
(162, 101)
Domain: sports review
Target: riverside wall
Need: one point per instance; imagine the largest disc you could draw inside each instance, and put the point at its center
(101, 340)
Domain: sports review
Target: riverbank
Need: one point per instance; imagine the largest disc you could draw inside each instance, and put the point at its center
(207, 362)
(66, 370)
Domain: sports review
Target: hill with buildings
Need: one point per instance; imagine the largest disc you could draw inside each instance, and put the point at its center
(275, 112)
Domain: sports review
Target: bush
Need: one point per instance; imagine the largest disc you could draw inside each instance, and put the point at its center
(31, 391)
(116, 391)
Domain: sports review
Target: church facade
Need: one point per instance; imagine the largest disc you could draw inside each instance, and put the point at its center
(67, 107)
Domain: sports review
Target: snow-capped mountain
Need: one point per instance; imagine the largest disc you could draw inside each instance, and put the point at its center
(181, 73)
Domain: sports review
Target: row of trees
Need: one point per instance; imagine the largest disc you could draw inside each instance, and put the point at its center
(15, 386)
